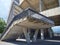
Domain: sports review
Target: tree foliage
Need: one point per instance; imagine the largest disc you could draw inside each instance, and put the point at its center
(2, 25)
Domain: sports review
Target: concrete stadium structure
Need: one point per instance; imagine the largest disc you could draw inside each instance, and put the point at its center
(27, 18)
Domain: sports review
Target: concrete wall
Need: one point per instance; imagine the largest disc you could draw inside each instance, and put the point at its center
(51, 12)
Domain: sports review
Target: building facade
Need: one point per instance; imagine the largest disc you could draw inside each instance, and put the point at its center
(33, 17)
(49, 8)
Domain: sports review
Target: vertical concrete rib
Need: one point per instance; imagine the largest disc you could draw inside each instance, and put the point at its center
(42, 34)
(40, 5)
(26, 33)
(35, 35)
(50, 32)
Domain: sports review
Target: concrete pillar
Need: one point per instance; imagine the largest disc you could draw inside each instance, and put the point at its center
(59, 2)
(35, 35)
(42, 34)
(27, 36)
(41, 5)
(50, 33)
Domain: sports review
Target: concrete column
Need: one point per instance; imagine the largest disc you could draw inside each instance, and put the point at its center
(50, 33)
(42, 34)
(59, 2)
(35, 35)
(27, 36)
(41, 5)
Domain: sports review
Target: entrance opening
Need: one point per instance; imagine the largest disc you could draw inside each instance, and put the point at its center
(46, 34)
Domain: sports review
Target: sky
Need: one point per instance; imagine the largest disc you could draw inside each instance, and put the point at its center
(56, 29)
(4, 12)
(4, 9)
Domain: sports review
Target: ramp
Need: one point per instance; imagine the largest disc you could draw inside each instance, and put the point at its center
(29, 19)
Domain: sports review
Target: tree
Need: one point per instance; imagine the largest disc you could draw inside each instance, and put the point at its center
(2, 25)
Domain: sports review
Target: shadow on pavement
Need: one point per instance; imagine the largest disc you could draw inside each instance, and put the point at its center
(38, 42)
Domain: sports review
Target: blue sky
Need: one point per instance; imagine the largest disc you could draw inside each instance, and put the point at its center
(56, 29)
(4, 8)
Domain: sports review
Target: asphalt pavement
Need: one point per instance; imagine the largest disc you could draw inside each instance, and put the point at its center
(39, 42)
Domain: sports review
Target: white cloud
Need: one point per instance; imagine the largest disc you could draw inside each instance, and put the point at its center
(4, 8)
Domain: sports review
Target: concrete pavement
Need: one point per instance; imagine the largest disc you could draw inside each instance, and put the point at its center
(39, 42)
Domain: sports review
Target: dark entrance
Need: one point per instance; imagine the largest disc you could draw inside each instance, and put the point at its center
(46, 34)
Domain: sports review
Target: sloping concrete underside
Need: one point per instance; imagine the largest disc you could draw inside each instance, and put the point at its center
(25, 20)
(35, 4)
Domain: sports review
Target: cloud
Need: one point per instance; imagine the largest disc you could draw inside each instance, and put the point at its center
(4, 8)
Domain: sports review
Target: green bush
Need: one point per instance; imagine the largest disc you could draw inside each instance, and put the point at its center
(2, 25)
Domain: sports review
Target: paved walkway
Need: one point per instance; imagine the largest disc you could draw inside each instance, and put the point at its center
(39, 42)
(5, 43)
(12, 43)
